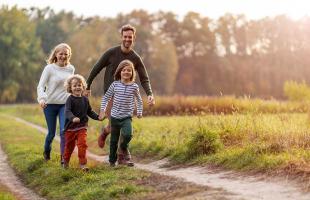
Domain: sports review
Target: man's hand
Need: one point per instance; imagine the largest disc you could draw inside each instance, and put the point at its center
(87, 93)
(42, 104)
(139, 116)
(150, 100)
(76, 120)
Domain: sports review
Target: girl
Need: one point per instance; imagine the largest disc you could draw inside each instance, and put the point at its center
(76, 111)
(52, 95)
(124, 92)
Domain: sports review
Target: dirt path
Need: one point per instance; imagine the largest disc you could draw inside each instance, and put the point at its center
(232, 185)
(12, 182)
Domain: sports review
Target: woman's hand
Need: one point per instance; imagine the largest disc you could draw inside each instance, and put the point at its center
(42, 104)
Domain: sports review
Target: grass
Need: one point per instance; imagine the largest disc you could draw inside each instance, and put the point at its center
(24, 149)
(200, 105)
(5, 194)
(251, 141)
(23, 146)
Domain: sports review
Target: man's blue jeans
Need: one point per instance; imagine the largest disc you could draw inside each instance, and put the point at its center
(51, 112)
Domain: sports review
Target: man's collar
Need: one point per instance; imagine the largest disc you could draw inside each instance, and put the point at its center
(125, 50)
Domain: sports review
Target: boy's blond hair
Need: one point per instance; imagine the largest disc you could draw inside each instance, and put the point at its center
(125, 63)
(79, 78)
(52, 57)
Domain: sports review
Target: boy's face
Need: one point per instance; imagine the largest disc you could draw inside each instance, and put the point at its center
(76, 88)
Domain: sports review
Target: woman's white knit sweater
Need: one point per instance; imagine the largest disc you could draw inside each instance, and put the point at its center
(51, 85)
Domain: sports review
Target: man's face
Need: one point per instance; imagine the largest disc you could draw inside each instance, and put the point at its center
(128, 39)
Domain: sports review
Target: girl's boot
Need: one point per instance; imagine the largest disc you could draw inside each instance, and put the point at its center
(122, 161)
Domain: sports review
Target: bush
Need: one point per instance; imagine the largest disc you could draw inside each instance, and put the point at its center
(203, 142)
(296, 91)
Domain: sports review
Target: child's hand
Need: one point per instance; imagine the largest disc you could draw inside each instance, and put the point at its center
(139, 116)
(102, 115)
(76, 120)
(101, 118)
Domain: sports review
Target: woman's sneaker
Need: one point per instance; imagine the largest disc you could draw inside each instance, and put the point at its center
(47, 156)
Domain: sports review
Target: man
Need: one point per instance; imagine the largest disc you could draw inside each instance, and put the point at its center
(110, 60)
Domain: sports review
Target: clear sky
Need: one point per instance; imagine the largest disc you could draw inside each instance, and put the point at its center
(253, 9)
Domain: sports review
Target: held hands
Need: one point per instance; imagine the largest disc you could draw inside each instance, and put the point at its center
(76, 120)
(150, 100)
(102, 115)
(42, 104)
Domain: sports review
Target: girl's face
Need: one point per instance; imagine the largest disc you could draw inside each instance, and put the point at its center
(126, 73)
(63, 56)
(76, 88)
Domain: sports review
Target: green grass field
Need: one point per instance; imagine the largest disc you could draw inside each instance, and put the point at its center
(248, 142)
(23, 146)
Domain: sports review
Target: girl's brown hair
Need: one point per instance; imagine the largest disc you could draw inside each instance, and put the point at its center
(125, 63)
(79, 78)
(52, 57)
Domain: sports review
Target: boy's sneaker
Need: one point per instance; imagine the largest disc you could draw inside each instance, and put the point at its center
(46, 156)
(84, 168)
(65, 165)
(112, 164)
(102, 137)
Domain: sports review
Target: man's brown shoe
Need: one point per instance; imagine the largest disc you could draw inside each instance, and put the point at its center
(102, 137)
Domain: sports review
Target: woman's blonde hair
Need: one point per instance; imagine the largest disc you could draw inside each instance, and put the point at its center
(125, 63)
(79, 78)
(52, 57)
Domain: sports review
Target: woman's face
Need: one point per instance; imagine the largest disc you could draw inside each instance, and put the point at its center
(63, 56)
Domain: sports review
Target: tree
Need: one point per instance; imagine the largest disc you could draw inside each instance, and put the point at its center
(20, 56)
(88, 44)
(53, 28)
(163, 67)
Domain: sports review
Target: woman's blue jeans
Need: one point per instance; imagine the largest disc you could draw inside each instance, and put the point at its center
(51, 111)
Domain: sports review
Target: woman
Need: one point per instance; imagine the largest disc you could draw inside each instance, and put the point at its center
(52, 94)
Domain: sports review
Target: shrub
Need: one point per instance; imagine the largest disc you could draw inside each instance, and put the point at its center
(296, 91)
(203, 142)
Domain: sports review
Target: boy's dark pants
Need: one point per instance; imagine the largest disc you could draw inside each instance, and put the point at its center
(118, 126)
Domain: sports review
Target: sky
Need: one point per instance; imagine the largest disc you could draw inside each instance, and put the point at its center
(253, 9)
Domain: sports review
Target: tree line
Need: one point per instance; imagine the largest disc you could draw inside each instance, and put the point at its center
(195, 55)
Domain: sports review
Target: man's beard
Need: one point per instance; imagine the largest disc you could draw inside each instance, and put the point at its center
(127, 46)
